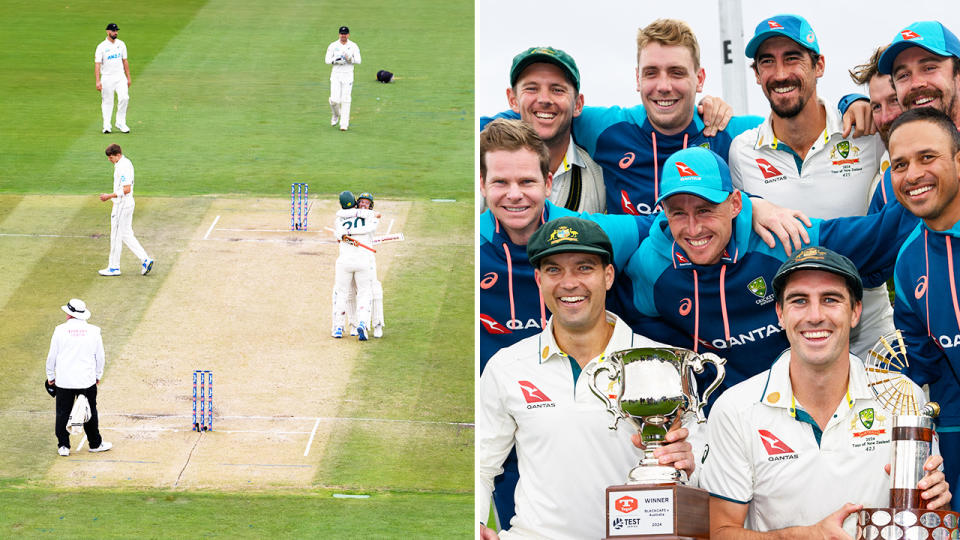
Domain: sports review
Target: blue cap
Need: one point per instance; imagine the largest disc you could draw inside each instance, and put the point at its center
(794, 27)
(697, 171)
(931, 35)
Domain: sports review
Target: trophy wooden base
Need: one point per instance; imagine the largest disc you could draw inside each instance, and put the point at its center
(657, 512)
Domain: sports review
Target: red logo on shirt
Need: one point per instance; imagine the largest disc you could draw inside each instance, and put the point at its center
(908, 34)
(768, 170)
(492, 326)
(773, 444)
(684, 170)
(626, 504)
(627, 160)
(680, 258)
(628, 207)
(531, 393)
(774, 25)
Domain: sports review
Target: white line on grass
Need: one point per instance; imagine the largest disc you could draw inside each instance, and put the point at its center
(443, 200)
(389, 227)
(51, 235)
(212, 225)
(312, 434)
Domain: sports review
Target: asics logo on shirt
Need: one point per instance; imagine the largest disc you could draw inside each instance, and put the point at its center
(685, 305)
(772, 444)
(492, 326)
(921, 288)
(627, 160)
(533, 394)
(489, 280)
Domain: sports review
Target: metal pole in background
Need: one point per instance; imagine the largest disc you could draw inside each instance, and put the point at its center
(733, 70)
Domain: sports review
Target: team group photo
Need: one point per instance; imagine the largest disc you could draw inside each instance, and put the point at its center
(717, 295)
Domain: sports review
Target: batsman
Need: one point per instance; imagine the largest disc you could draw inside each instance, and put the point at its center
(354, 228)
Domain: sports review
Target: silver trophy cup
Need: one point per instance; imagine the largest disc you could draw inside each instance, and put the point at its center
(650, 388)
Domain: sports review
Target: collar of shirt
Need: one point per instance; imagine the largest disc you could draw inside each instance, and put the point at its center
(778, 391)
(767, 138)
(549, 350)
(571, 158)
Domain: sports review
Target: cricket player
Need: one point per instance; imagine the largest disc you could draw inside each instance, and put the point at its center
(354, 227)
(121, 218)
(365, 201)
(342, 54)
(113, 75)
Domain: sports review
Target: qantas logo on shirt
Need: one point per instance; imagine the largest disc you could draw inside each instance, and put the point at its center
(534, 396)
(685, 170)
(776, 449)
(680, 258)
(492, 326)
(627, 206)
(770, 173)
(774, 25)
(909, 34)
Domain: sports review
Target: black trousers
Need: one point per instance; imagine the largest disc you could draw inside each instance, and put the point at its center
(65, 398)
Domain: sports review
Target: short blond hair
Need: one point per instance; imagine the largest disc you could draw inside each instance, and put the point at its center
(512, 135)
(669, 32)
(864, 72)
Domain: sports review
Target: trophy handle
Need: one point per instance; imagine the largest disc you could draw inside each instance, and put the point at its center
(613, 369)
(696, 362)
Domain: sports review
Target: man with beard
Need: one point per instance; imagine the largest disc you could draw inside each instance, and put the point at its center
(924, 161)
(799, 157)
(924, 63)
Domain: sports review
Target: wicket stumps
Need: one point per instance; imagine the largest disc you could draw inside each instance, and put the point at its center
(205, 400)
(298, 206)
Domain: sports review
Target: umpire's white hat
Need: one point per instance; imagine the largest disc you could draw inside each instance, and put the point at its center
(77, 309)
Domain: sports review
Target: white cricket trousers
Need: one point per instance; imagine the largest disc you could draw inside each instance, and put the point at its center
(350, 269)
(341, 87)
(111, 85)
(121, 231)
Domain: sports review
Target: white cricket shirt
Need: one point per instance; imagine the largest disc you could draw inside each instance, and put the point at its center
(122, 176)
(110, 56)
(347, 51)
(833, 180)
(76, 355)
(762, 450)
(567, 453)
(361, 224)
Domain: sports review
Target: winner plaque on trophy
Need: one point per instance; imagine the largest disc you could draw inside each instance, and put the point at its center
(650, 388)
(912, 444)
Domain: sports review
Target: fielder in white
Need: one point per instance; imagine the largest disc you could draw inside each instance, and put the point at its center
(113, 75)
(342, 54)
(365, 201)
(355, 228)
(121, 218)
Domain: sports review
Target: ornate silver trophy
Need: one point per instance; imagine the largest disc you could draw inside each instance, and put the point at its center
(911, 445)
(650, 388)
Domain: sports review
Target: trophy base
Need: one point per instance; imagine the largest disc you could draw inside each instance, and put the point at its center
(657, 512)
(907, 523)
(656, 474)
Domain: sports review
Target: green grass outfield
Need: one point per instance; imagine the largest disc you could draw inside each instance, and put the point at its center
(229, 98)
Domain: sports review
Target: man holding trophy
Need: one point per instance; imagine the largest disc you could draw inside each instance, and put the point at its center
(531, 395)
(793, 451)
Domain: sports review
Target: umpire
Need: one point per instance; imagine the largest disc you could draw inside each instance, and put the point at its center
(74, 367)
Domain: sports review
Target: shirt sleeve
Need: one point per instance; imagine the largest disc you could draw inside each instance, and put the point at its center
(356, 55)
(100, 358)
(727, 472)
(52, 358)
(329, 57)
(925, 355)
(97, 55)
(496, 430)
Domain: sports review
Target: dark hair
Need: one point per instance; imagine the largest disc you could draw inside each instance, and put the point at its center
(862, 73)
(814, 58)
(934, 116)
(113, 150)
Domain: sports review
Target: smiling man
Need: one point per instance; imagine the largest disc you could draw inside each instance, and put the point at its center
(531, 396)
(925, 165)
(798, 156)
(790, 455)
(545, 92)
(704, 270)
